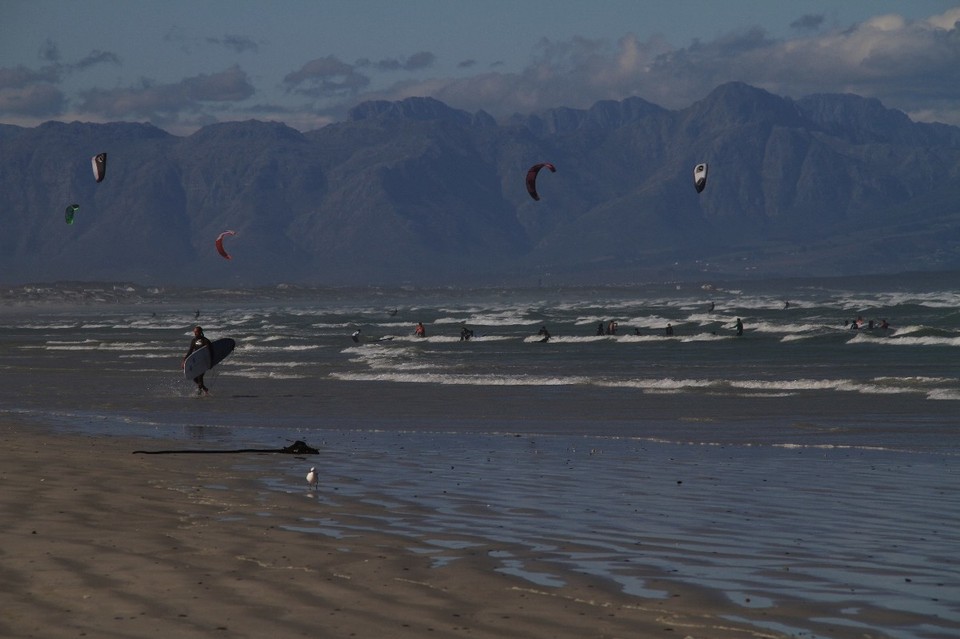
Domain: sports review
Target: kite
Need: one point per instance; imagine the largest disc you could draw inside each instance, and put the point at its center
(532, 178)
(700, 177)
(220, 248)
(68, 214)
(99, 162)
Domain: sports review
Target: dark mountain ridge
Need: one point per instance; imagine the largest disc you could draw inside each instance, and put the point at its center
(418, 192)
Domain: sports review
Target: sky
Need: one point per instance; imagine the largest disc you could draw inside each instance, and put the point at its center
(183, 64)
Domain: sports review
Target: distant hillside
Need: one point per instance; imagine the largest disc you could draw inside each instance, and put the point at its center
(417, 192)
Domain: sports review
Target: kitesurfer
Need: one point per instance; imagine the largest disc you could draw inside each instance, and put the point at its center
(420, 330)
(199, 341)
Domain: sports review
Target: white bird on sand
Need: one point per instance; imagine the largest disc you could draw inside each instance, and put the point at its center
(313, 478)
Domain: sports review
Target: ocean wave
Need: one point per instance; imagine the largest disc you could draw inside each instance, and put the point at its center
(276, 364)
(894, 340)
(292, 348)
(429, 339)
(944, 394)
(260, 373)
(96, 345)
(460, 379)
(510, 318)
(411, 373)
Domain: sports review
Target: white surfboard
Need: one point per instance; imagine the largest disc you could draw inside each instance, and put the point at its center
(200, 361)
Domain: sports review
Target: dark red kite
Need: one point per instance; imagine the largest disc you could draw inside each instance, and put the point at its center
(532, 177)
(220, 248)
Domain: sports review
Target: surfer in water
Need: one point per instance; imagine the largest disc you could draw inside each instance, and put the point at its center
(199, 341)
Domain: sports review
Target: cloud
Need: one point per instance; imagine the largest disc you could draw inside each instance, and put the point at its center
(238, 43)
(808, 22)
(39, 100)
(909, 65)
(946, 21)
(325, 77)
(190, 44)
(96, 57)
(154, 101)
(389, 64)
(35, 92)
(49, 51)
(294, 117)
(20, 76)
(419, 60)
(416, 62)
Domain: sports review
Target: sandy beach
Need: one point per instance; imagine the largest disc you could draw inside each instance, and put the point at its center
(97, 541)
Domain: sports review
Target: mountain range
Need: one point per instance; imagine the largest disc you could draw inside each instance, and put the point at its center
(418, 193)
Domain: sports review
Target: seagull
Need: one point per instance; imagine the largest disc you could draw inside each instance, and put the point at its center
(313, 478)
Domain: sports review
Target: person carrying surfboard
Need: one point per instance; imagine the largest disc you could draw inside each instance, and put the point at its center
(199, 341)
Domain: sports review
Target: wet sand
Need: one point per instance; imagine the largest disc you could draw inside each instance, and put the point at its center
(99, 542)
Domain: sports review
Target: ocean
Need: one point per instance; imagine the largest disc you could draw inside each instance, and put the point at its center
(804, 460)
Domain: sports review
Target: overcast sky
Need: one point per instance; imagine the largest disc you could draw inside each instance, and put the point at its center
(181, 64)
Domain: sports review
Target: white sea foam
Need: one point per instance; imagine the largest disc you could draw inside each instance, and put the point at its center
(944, 394)
(276, 364)
(260, 373)
(414, 373)
(93, 345)
(895, 340)
(429, 339)
(508, 318)
(292, 348)
(143, 355)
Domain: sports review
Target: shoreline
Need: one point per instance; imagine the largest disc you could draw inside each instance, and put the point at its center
(102, 542)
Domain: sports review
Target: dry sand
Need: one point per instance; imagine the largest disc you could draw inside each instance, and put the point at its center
(96, 541)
